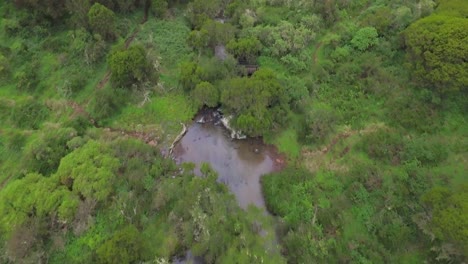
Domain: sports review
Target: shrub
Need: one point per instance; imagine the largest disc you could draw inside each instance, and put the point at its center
(108, 102)
(43, 155)
(427, 152)
(383, 144)
(130, 66)
(365, 38)
(159, 7)
(102, 21)
(29, 113)
(320, 122)
(26, 79)
(206, 94)
(190, 75)
(4, 67)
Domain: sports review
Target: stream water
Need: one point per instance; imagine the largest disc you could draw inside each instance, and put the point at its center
(239, 163)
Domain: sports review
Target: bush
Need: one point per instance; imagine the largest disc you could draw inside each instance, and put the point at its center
(426, 151)
(190, 75)
(130, 67)
(102, 21)
(29, 113)
(27, 79)
(319, 123)
(107, 102)
(206, 94)
(43, 155)
(124, 247)
(4, 67)
(365, 38)
(439, 63)
(159, 7)
(383, 144)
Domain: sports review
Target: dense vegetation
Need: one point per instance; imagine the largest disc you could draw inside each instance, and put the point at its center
(367, 99)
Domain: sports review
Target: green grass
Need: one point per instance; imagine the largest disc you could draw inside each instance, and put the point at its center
(287, 143)
(169, 38)
(163, 113)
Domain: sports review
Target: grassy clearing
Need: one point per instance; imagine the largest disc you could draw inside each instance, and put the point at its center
(163, 114)
(287, 143)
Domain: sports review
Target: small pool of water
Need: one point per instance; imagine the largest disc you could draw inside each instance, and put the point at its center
(239, 163)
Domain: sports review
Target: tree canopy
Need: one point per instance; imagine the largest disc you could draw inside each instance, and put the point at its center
(437, 50)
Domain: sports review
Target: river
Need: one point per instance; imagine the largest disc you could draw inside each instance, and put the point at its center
(239, 163)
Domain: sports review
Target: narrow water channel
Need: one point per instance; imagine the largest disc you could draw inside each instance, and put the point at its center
(239, 163)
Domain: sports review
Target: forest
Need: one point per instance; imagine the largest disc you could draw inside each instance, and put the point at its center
(366, 100)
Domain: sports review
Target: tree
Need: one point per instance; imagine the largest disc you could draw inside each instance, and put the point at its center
(257, 102)
(102, 21)
(159, 7)
(449, 215)
(206, 94)
(35, 196)
(436, 46)
(245, 49)
(49, 9)
(365, 38)
(89, 171)
(199, 11)
(198, 40)
(79, 12)
(125, 246)
(218, 33)
(130, 66)
(190, 75)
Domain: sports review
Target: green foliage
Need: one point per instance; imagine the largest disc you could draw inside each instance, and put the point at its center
(383, 144)
(79, 12)
(449, 215)
(89, 171)
(285, 38)
(130, 66)
(102, 21)
(124, 247)
(48, 9)
(159, 7)
(436, 47)
(387, 193)
(28, 113)
(202, 10)
(169, 38)
(319, 123)
(425, 151)
(257, 103)
(190, 75)
(27, 79)
(107, 102)
(218, 33)
(4, 67)
(43, 154)
(245, 49)
(34, 196)
(206, 94)
(378, 18)
(198, 40)
(365, 38)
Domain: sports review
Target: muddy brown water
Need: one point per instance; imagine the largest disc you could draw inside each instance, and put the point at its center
(239, 163)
